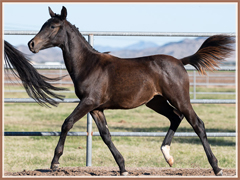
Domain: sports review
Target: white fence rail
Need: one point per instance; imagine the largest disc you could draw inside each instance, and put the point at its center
(110, 33)
(193, 101)
(132, 134)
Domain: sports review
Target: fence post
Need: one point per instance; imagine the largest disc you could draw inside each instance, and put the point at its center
(89, 125)
(89, 141)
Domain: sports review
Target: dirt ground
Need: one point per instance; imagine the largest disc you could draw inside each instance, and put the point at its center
(109, 171)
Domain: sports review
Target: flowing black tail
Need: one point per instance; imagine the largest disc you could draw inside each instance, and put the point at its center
(34, 83)
(214, 50)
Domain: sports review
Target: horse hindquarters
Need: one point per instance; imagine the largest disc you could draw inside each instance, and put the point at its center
(175, 89)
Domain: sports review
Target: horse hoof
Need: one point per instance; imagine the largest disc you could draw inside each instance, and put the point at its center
(124, 174)
(166, 153)
(170, 161)
(220, 173)
(54, 167)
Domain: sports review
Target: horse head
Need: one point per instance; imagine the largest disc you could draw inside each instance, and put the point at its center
(51, 34)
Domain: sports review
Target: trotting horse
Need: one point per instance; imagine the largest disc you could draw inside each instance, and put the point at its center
(103, 81)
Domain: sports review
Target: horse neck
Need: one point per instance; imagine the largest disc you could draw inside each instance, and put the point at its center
(77, 52)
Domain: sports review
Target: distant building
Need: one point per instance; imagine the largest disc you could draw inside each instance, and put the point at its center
(52, 63)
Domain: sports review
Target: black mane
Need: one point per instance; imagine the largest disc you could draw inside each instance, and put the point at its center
(75, 29)
(86, 43)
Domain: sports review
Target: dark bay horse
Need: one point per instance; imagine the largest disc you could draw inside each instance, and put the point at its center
(103, 81)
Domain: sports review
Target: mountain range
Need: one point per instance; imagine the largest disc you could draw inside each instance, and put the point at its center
(178, 49)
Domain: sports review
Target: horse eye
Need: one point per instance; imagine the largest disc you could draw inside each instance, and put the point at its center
(52, 27)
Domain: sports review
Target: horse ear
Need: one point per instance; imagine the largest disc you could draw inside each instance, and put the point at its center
(52, 14)
(63, 13)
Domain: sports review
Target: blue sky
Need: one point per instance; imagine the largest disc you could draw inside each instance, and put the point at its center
(139, 17)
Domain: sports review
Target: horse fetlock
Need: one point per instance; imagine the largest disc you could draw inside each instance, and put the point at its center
(124, 173)
(166, 153)
(54, 167)
(217, 171)
(220, 173)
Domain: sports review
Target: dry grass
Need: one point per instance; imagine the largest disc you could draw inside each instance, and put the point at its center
(36, 152)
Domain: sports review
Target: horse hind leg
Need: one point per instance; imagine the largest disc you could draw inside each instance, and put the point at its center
(198, 126)
(161, 106)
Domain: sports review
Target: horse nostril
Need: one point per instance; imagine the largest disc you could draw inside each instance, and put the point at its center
(32, 44)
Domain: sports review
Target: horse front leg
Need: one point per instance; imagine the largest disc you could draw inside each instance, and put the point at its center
(101, 123)
(85, 106)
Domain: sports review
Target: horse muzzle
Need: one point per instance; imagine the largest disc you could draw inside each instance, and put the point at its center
(33, 46)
